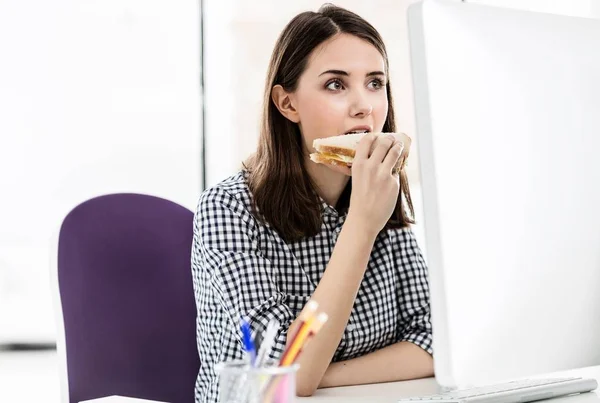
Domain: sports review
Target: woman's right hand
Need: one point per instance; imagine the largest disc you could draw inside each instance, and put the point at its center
(375, 188)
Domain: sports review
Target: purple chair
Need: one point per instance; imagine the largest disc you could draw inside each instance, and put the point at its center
(127, 299)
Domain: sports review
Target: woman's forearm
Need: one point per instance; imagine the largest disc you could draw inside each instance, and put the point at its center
(335, 294)
(397, 362)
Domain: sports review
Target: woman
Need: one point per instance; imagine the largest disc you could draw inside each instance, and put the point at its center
(285, 230)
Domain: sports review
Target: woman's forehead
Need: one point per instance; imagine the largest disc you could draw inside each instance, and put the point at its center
(348, 53)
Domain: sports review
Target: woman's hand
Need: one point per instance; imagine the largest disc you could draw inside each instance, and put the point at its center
(375, 187)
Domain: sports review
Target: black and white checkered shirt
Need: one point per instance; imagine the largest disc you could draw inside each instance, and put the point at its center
(242, 268)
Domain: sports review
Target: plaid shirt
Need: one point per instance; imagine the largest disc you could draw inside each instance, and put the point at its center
(242, 268)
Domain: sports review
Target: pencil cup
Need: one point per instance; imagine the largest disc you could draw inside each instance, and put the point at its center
(240, 383)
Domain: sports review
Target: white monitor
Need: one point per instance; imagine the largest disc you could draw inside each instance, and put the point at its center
(508, 132)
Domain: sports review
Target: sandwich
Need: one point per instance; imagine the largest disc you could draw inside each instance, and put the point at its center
(340, 150)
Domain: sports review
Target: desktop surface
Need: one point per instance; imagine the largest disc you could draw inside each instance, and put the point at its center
(392, 391)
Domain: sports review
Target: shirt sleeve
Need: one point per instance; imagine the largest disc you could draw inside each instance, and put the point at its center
(239, 277)
(415, 316)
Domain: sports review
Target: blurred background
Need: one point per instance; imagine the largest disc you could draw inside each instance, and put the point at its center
(149, 96)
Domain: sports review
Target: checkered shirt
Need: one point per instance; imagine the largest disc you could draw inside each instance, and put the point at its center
(243, 268)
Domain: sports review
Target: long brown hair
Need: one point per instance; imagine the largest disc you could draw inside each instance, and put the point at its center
(284, 194)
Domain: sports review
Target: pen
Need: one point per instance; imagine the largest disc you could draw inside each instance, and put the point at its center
(248, 343)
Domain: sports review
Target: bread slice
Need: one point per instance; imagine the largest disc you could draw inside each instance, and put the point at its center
(340, 150)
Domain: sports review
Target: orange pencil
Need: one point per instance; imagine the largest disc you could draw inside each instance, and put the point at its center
(307, 313)
(311, 327)
(316, 327)
(308, 330)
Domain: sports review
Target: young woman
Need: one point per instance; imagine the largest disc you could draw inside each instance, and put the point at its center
(285, 230)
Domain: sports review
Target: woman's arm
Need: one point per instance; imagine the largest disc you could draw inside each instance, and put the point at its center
(230, 270)
(335, 294)
(374, 194)
(397, 362)
(411, 357)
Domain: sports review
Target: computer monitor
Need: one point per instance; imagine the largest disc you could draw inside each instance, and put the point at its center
(508, 136)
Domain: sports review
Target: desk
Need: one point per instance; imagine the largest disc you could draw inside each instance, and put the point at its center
(390, 392)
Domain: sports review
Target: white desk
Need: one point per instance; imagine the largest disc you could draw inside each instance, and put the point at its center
(390, 392)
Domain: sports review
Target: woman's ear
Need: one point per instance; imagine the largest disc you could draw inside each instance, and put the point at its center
(284, 102)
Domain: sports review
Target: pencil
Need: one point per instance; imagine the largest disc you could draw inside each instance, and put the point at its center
(310, 328)
(307, 313)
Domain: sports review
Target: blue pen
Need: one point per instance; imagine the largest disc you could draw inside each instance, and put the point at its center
(248, 343)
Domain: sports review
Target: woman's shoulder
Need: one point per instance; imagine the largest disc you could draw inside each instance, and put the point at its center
(404, 236)
(232, 192)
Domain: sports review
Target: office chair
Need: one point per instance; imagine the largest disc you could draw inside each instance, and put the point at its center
(126, 299)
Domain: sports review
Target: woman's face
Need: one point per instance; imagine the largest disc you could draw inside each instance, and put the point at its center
(343, 89)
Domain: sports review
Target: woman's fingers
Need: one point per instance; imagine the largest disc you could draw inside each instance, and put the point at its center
(391, 161)
(363, 150)
(383, 144)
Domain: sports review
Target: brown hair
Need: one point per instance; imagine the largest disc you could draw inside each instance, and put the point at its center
(284, 194)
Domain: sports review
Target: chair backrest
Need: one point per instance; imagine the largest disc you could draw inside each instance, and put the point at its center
(127, 299)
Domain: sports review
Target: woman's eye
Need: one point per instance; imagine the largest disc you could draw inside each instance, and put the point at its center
(334, 85)
(376, 84)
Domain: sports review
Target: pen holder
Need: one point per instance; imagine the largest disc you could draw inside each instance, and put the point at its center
(240, 383)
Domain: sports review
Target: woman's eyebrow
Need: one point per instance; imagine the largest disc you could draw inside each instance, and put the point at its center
(345, 73)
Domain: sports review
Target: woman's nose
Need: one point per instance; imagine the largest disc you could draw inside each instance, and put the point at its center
(361, 107)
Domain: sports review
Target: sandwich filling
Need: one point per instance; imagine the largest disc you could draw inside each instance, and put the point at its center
(337, 157)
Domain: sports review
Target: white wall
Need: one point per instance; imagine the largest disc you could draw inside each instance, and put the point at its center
(96, 96)
(595, 8)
